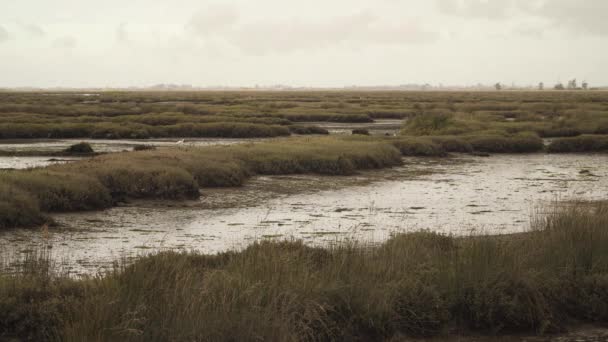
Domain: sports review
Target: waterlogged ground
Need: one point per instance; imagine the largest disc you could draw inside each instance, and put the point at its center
(460, 195)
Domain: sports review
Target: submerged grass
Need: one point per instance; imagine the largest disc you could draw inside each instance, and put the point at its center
(417, 285)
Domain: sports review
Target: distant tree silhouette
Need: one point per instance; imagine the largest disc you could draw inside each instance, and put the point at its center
(585, 85)
(498, 86)
(541, 86)
(559, 86)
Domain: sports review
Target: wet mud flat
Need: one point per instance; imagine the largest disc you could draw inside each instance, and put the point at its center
(461, 195)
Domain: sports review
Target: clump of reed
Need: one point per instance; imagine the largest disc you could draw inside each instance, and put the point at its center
(583, 143)
(360, 131)
(420, 284)
(419, 147)
(144, 147)
(520, 143)
(489, 143)
(307, 129)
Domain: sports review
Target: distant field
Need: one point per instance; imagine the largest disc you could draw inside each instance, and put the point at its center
(137, 115)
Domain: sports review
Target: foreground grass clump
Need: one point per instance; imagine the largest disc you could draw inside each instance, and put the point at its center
(54, 190)
(177, 173)
(417, 285)
(18, 208)
(584, 143)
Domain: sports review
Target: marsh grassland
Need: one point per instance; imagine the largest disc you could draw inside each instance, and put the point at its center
(158, 164)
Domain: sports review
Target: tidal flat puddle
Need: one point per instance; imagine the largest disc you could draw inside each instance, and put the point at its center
(460, 196)
(31, 162)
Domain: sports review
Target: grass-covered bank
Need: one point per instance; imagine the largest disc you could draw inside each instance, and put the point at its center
(583, 143)
(460, 133)
(176, 173)
(441, 145)
(420, 284)
(134, 130)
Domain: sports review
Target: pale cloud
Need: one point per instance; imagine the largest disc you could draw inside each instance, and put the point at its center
(532, 32)
(4, 35)
(66, 42)
(312, 42)
(213, 19)
(122, 35)
(259, 37)
(495, 9)
(588, 16)
(33, 30)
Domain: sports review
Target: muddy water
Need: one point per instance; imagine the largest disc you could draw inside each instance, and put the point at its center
(460, 195)
(378, 127)
(30, 162)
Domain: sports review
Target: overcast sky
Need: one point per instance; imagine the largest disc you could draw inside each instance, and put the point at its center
(84, 43)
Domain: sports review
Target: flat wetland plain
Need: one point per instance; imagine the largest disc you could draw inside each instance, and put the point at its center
(448, 214)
